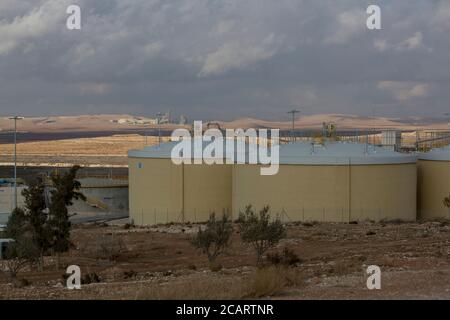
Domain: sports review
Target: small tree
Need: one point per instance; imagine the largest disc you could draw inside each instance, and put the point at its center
(446, 201)
(215, 239)
(37, 218)
(109, 247)
(65, 190)
(259, 231)
(17, 224)
(23, 250)
(19, 254)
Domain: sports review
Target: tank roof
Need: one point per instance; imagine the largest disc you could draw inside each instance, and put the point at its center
(162, 151)
(340, 153)
(329, 153)
(438, 154)
(159, 151)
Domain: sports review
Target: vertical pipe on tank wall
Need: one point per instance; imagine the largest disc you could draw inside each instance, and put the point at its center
(182, 194)
(233, 191)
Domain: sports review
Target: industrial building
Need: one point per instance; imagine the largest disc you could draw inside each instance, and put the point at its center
(334, 181)
(162, 192)
(105, 198)
(433, 183)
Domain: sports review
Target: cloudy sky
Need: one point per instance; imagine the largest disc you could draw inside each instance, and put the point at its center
(224, 59)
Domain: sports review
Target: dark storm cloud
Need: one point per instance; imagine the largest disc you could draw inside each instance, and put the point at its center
(224, 58)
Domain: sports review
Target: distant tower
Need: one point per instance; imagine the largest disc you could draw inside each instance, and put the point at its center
(183, 120)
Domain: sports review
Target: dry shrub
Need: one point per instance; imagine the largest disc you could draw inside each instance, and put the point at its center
(287, 257)
(109, 247)
(295, 277)
(262, 283)
(344, 267)
(390, 262)
(215, 267)
(129, 274)
(446, 201)
(266, 282)
(206, 289)
(20, 283)
(127, 226)
(90, 278)
(192, 267)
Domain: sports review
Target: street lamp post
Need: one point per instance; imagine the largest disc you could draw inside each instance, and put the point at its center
(15, 118)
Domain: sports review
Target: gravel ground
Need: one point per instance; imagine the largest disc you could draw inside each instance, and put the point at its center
(414, 259)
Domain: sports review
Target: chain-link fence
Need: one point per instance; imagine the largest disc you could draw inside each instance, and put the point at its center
(286, 215)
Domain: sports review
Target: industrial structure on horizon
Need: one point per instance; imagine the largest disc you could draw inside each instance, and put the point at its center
(161, 118)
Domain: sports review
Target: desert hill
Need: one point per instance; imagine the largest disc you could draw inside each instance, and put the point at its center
(125, 122)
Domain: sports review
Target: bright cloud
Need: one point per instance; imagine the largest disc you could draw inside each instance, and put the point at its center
(404, 91)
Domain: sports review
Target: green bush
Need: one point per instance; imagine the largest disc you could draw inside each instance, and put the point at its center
(215, 238)
(19, 254)
(259, 231)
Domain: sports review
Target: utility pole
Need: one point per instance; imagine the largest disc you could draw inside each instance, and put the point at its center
(293, 112)
(15, 118)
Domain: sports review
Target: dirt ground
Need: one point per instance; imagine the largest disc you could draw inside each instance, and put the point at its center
(160, 263)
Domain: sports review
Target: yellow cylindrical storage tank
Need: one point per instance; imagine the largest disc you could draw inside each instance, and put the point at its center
(334, 182)
(433, 184)
(163, 192)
